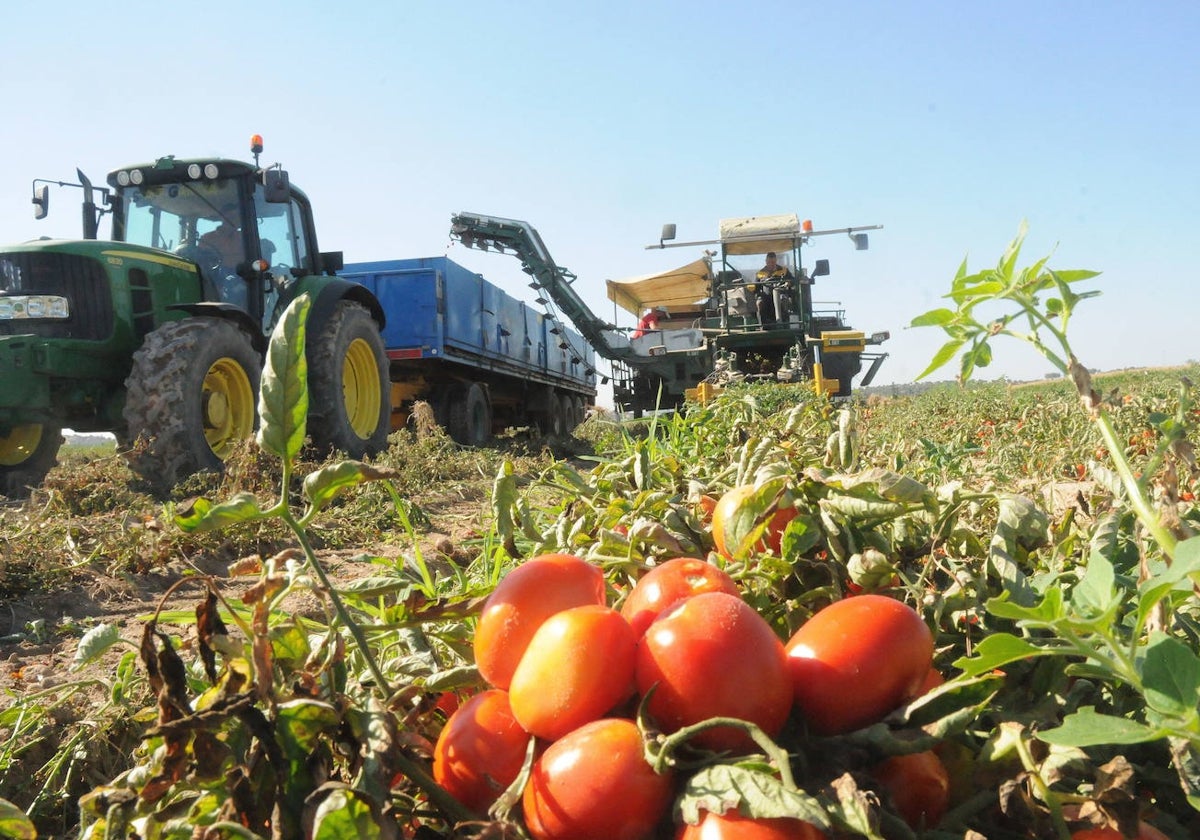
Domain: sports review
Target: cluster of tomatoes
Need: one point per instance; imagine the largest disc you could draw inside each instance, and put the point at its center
(568, 673)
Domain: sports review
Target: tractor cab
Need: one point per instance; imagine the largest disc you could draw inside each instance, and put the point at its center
(249, 232)
(760, 283)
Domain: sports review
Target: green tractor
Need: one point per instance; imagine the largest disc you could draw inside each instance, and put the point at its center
(158, 334)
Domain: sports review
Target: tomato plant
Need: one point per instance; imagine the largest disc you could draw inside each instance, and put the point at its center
(480, 751)
(524, 598)
(917, 786)
(709, 656)
(856, 660)
(577, 666)
(669, 582)
(733, 826)
(732, 505)
(595, 783)
(1145, 832)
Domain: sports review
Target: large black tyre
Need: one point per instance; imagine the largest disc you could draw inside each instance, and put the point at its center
(470, 415)
(576, 411)
(27, 453)
(349, 393)
(191, 397)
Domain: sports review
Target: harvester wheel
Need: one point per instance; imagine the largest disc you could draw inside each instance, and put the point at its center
(27, 453)
(191, 397)
(470, 420)
(349, 391)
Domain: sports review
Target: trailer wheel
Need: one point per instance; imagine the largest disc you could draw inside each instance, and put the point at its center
(191, 395)
(27, 453)
(349, 395)
(576, 411)
(470, 420)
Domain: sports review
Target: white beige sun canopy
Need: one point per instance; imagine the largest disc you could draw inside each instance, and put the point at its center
(760, 234)
(682, 286)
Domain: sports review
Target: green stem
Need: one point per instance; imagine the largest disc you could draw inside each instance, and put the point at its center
(775, 753)
(1045, 794)
(1137, 497)
(339, 606)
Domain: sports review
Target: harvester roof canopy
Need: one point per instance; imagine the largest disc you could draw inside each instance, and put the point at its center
(760, 234)
(681, 286)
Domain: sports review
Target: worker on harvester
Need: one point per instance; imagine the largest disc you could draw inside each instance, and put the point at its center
(649, 320)
(769, 277)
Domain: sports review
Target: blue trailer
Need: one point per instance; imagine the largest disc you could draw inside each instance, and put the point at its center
(483, 359)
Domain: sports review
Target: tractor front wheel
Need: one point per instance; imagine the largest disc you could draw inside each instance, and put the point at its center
(27, 453)
(349, 402)
(191, 398)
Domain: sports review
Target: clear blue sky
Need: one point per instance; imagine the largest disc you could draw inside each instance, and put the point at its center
(948, 123)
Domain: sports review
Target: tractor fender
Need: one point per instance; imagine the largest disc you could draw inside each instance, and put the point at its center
(228, 312)
(326, 292)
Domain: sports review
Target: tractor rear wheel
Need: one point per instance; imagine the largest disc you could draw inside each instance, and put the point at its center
(191, 397)
(27, 453)
(349, 402)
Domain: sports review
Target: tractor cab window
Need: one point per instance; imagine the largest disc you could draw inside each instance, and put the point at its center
(199, 221)
(281, 235)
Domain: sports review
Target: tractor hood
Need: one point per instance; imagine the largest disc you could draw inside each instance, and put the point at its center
(678, 287)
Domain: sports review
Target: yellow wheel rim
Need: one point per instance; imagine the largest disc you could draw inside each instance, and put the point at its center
(228, 406)
(18, 446)
(361, 388)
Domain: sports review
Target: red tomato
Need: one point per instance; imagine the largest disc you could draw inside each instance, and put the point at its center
(733, 826)
(917, 785)
(932, 680)
(594, 784)
(480, 751)
(674, 580)
(527, 596)
(706, 505)
(729, 504)
(856, 660)
(578, 665)
(712, 655)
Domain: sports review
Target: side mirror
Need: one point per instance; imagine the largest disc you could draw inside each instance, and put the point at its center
(332, 261)
(860, 241)
(668, 233)
(41, 201)
(820, 268)
(276, 189)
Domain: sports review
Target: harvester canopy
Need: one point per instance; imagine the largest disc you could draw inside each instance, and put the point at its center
(760, 234)
(679, 287)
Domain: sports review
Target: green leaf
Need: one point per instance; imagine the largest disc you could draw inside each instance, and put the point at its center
(301, 723)
(1171, 676)
(321, 486)
(751, 791)
(504, 498)
(283, 398)
(934, 318)
(948, 351)
(1096, 594)
(201, 515)
(1045, 612)
(94, 643)
(1086, 728)
(343, 815)
(14, 823)
(996, 651)
(801, 536)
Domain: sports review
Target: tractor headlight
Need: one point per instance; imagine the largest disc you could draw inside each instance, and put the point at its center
(14, 307)
(194, 171)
